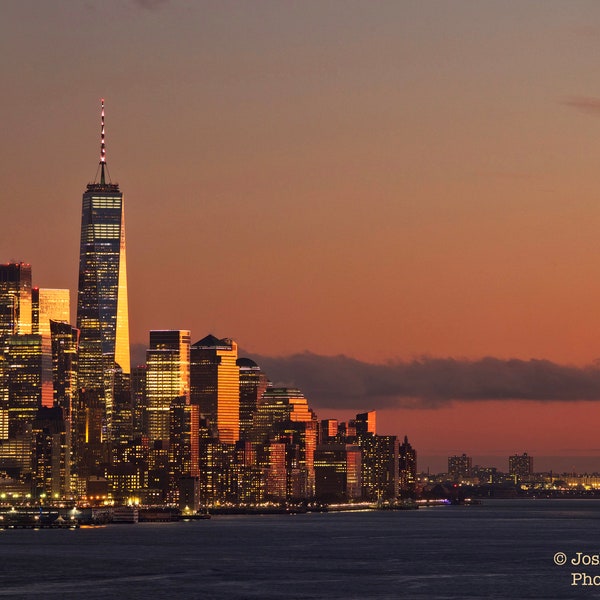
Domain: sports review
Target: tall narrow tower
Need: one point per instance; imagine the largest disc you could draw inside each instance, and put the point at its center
(102, 313)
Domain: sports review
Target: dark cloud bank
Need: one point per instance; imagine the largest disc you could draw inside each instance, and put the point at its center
(342, 382)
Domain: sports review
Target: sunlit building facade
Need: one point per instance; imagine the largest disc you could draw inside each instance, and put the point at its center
(284, 417)
(167, 378)
(102, 312)
(15, 299)
(328, 430)
(277, 473)
(366, 422)
(282, 404)
(215, 385)
(49, 305)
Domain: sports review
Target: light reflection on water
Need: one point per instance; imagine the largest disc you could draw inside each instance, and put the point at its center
(499, 550)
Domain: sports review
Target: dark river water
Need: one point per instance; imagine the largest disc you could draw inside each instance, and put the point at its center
(502, 550)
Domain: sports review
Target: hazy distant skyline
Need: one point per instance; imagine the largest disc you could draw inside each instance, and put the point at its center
(380, 180)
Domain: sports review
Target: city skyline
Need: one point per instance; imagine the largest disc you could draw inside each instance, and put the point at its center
(338, 197)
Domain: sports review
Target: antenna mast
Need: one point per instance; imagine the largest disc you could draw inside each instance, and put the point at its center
(102, 145)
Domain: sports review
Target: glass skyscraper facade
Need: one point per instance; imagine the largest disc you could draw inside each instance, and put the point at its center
(49, 305)
(253, 384)
(167, 378)
(215, 385)
(102, 312)
(29, 359)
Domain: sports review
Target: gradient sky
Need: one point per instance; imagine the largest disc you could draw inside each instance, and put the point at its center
(382, 180)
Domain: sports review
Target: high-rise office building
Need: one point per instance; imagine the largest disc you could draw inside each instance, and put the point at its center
(217, 471)
(253, 384)
(184, 449)
(281, 404)
(51, 456)
(379, 466)
(4, 395)
(167, 378)
(49, 305)
(64, 342)
(15, 299)
(215, 385)
(328, 430)
(366, 422)
(102, 312)
(407, 467)
(284, 416)
(338, 472)
(277, 471)
(29, 365)
(138, 401)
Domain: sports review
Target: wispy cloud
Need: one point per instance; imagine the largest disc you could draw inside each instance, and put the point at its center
(584, 104)
(342, 382)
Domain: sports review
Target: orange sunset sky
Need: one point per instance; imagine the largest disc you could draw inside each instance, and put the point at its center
(391, 181)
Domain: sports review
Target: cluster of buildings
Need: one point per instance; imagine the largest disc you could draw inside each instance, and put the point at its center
(464, 479)
(461, 469)
(196, 424)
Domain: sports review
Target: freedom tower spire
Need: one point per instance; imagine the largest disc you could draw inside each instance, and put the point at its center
(102, 309)
(102, 144)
